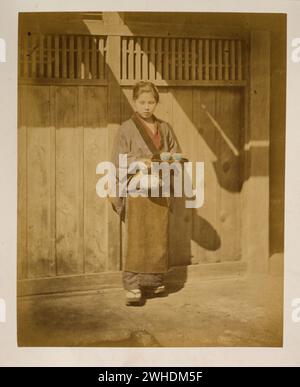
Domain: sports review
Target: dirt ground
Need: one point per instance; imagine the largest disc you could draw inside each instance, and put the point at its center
(233, 312)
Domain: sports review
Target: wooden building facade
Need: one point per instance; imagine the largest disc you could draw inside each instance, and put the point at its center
(75, 90)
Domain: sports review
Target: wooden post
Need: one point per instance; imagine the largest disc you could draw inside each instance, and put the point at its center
(114, 119)
(255, 194)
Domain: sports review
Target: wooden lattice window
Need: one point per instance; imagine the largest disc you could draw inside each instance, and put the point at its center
(62, 57)
(183, 59)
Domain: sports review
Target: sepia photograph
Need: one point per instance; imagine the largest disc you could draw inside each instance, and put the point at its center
(151, 170)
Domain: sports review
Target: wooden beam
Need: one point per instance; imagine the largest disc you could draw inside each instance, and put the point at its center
(113, 280)
(164, 30)
(114, 120)
(180, 83)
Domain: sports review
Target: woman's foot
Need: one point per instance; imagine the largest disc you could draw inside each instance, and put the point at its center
(154, 291)
(133, 297)
(159, 289)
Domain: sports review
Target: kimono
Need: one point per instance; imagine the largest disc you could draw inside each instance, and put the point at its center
(146, 218)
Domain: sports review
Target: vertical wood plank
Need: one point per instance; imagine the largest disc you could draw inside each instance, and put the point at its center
(180, 230)
(166, 58)
(207, 60)
(40, 261)
(232, 60)
(229, 117)
(164, 109)
(64, 56)
(71, 57)
(93, 58)
(87, 57)
(179, 75)
(200, 60)
(131, 59)
(56, 56)
(239, 60)
(49, 56)
(25, 56)
(220, 60)
(79, 57)
(101, 58)
(186, 59)
(69, 182)
(53, 180)
(138, 59)
(20, 58)
(159, 59)
(80, 129)
(152, 59)
(95, 151)
(145, 73)
(173, 59)
(206, 227)
(198, 155)
(41, 57)
(193, 57)
(124, 58)
(213, 60)
(226, 60)
(23, 105)
(33, 52)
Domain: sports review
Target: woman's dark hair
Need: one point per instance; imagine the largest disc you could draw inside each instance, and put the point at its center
(145, 87)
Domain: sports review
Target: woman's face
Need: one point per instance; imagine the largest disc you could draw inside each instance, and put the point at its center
(145, 104)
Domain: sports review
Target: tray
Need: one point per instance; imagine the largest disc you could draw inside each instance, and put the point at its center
(183, 159)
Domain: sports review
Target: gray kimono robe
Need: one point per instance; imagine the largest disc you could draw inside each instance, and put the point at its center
(146, 218)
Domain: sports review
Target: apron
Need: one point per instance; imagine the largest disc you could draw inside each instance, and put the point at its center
(146, 225)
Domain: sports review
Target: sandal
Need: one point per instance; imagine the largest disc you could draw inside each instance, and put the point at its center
(133, 297)
(154, 291)
(159, 289)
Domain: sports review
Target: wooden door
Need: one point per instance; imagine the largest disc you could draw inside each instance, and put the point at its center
(209, 126)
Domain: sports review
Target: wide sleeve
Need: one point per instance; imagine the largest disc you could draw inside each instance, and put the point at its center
(172, 142)
(121, 145)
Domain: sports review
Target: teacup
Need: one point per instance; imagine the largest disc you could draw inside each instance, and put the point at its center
(165, 156)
